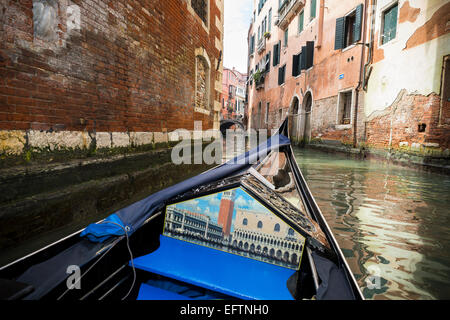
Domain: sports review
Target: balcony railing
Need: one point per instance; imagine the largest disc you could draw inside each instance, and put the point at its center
(261, 45)
(259, 84)
(287, 10)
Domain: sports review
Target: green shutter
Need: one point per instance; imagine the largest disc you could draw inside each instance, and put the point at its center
(313, 9)
(278, 52)
(303, 58)
(300, 21)
(358, 23)
(309, 54)
(279, 75)
(340, 33)
(295, 63)
(275, 54)
(270, 20)
(390, 24)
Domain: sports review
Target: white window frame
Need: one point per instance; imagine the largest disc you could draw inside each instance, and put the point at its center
(340, 110)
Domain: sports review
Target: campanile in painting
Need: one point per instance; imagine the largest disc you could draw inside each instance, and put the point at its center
(226, 211)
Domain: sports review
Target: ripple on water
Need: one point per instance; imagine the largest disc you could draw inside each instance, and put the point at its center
(391, 222)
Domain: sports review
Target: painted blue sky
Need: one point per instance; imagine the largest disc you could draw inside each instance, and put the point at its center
(210, 205)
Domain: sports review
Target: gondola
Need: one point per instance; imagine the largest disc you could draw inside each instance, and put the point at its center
(248, 229)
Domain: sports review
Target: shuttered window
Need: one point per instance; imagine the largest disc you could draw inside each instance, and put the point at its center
(267, 63)
(296, 65)
(348, 28)
(270, 19)
(276, 53)
(281, 74)
(252, 44)
(389, 24)
(339, 36)
(358, 23)
(286, 36)
(300, 21)
(313, 9)
(303, 58)
(309, 54)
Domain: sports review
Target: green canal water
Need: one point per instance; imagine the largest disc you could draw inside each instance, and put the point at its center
(392, 222)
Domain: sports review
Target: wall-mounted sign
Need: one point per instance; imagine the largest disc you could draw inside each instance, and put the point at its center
(341, 76)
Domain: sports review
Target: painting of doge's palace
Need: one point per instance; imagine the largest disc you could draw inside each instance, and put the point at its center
(235, 222)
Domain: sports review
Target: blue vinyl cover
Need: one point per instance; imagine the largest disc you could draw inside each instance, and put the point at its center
(147, 292)
(219, 271)
(135, 215)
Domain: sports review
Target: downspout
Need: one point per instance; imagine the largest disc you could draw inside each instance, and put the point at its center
(320, 32)
(355, 109)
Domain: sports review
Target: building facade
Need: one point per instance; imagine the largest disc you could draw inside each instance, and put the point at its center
(368, 74)
(105, 74)
(233, 93)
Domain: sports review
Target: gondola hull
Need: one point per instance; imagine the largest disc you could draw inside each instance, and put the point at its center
(246, 229)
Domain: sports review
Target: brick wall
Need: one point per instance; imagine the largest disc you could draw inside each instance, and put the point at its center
(103, 66)
(399, 125)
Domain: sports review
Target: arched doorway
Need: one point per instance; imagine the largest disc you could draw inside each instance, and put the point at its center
(294, 119)
(306, 119)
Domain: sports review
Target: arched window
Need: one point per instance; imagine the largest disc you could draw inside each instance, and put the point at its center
(290, 232)
(277, 227)
(245, 221)
(260, 224)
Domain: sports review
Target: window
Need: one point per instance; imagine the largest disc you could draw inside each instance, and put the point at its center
(306, 57)
(348, 28)
(270, 19)
(266, 120)
(202, 83)
(313, 10)
(277, 227)
(345, 107)
(276, 53)
(200, 7)
(260, 225)
(281, 74)
(296, 65)
(291, 232)
(389, 24)
(300, 21)
(286, 36)
(280, 114)
(252, 44)
(267, 62)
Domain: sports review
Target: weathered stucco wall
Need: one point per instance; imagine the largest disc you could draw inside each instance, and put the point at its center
(405, 82)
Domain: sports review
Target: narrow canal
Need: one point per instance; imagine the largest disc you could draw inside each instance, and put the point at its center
(392, 222)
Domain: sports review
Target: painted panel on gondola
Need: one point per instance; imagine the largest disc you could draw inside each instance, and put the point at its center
(235, 222)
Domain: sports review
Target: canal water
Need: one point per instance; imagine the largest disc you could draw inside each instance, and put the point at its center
(392, 222)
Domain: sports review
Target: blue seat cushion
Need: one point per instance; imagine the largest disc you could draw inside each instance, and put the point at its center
(219, 271)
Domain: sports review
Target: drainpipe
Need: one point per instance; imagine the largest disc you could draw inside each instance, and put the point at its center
(355, 111)
(320, 33)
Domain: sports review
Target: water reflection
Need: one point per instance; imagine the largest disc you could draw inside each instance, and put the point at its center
(391, 222)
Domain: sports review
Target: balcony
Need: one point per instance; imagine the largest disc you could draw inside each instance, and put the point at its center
(261, 45)
(259, 84)
(287, 11)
